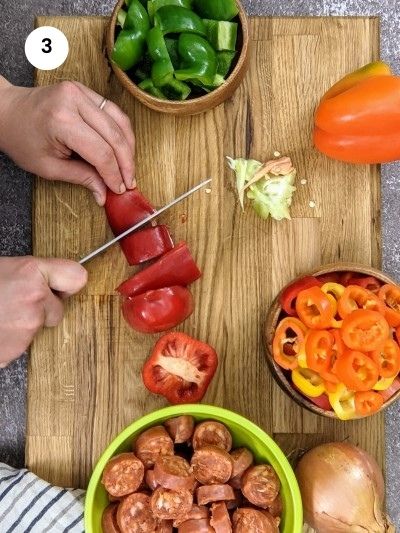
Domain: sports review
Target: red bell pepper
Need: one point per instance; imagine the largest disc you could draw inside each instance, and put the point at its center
(367, 282)
(176, 267)
(146, 244)
(125, 210)
(289, 295)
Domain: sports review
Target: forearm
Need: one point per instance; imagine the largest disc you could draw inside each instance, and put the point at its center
(5, 99)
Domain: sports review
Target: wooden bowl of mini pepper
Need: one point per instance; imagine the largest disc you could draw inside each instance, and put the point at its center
(332, 341)
(181, 57)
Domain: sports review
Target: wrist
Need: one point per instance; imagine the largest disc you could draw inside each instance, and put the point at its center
(8, 93)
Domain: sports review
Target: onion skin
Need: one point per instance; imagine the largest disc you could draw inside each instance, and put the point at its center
(342, 488)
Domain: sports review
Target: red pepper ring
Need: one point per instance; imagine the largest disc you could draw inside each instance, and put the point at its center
(289, 295)
(388, 359)
(357, 371)
(319, 350)
(314, 308)
(368, 402)
(364, 330)
(338, 349)
(356, 297)
(390, 295)
(288, 339)
(367, 282)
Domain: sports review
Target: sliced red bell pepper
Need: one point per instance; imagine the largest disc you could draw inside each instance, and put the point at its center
(176, 267)
(322, 402)
(180, 368)
(125, 210)
(146, 244)
(367, 282)
(330, 277)
(315, 309)
(289, 294)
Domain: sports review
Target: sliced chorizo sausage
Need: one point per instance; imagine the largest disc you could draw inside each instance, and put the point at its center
(197, 512)
(173, 473)
(109, 519)
(237, 502)
(214, 433)
(242, 460)
(134, 514)
(212, 465)
(260, 485)
(196, 526)
(276, 507)
(164, 526)
(152, 443)
(220, 519)
(214, 493)
(123, 475)
(150, 479)
(180, 428)
(169, 504)
(246, 520)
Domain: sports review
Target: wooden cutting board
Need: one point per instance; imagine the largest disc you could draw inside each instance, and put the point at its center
(84, 376)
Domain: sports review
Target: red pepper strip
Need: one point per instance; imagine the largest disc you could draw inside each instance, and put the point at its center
(319, 350)
(390, 295)
(367, 402)
(367, 282)
(289, 294)
(357, 371)
(125, 210)
(176, 267)
(387, 358)
(146, 244)
(388, 393)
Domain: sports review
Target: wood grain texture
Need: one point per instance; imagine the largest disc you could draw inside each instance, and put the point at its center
(84, 376)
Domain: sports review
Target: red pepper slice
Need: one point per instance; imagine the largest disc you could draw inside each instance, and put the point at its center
(388, 393)
(368, 402)
(319, 350)
(322, 402)
(345, 277)
(390, 295)
(176, 267)
(367, 282)
(329, 375)
(387, 358)
(146, 244)
(356, 297)
(357, 371)
(330, 277)
(364, 330)
(289, 295)
(180, 368)
(156, 311)
(125, 210)
(314, 308)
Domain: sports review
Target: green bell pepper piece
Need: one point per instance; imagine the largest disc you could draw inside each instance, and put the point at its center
(176, 90)
(172, 47)
(143, 2)
(224, 62)
(154, 5)
(217, 82)
(162, 69)
(121, 17)
(221, 34)
(199, 59)
(176, 19)
(148, 86)
(217, 9)
(137, 18)
(128, 49)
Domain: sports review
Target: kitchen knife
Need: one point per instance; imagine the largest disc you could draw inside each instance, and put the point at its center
(143, 222)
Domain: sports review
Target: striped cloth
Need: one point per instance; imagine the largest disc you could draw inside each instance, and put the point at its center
(29, 504)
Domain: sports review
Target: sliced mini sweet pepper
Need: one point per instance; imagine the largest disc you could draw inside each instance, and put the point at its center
(357, 371)
(314, 308)
(154, 5)
(343, 402)
(222, 35)
(224, 62)
(162, 69)
(199, 60)
(329, 375)
(288, 296)
(336, 289)
(364, 330)
(367, 403)
(384, 384)
(217, 9)
(390, 295)
(387, 357)
(356, 297)
(288, 340)
(148, 86)
(367, 282)
(308, 382)
(319, 350)
(389, 392)
(177, 19)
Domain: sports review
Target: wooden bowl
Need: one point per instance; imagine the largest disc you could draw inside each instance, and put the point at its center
(196, 105)
(273, 318)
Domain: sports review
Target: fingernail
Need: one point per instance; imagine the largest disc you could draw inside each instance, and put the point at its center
(122, 188)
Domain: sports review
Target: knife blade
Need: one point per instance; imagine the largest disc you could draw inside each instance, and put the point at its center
(143, 222)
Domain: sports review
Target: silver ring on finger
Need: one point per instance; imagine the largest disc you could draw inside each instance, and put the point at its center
(103, 104)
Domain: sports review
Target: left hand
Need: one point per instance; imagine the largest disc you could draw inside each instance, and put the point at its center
(43, 128)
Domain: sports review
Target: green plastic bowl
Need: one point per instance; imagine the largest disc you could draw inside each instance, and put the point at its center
(244, 433)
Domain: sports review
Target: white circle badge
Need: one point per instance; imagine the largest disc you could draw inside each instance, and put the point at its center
(46, 48)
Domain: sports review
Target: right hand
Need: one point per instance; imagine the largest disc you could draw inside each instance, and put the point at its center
(27, 300)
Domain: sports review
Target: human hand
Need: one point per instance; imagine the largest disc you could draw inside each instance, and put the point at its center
(44, 129)
(27, 300)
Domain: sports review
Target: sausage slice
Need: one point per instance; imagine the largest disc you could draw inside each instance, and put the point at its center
(173, 473)
(220, 519)
(196, 526)
(214, 433)
(169, 504)
(123, 475)
(150, 480)
(212, 465)
(246, 520)
(134, 514)
(260, 485)
(197, 512)
(242, 460)
(152, 443)
(276, 507)
(180, 428)
(214, 493)
(164, 526)
(109, 519)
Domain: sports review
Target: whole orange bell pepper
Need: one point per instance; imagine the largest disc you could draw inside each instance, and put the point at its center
(358, 119)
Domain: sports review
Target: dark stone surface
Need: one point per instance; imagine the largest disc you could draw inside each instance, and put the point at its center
(15, 186)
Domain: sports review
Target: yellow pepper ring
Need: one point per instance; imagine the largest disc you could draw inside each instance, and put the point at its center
(343, 402)
(384, 383)
(335, 289)
(308, 382)
(337, 324)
